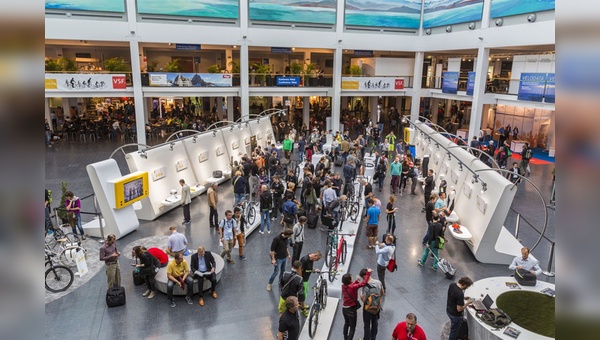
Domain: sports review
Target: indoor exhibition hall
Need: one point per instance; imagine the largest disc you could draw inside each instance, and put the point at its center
(312, 169)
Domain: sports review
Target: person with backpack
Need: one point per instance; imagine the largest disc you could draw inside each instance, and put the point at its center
(298, 238)
(350, 302)
(526, 156)
(266, 201)
(372, 297)
(239, 187)
(291, 285)
(380, 172)
(502, 157)
(148, 268)
(385, 252)
(290, 211)
(436, 241)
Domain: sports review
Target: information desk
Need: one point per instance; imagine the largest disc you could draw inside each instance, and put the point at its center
(494, 287)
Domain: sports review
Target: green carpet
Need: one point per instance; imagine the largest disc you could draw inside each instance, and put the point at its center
(530, 310)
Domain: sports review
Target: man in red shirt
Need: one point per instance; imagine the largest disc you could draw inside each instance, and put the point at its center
(408, 330)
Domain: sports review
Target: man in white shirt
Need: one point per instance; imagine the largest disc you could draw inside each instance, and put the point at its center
(228, 232)
(177, 242)
(526, 262)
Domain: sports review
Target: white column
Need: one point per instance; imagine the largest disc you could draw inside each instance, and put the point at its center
(373, 110)
(417, 80)
(244, 84)
(220, 112)
(337, 89)
(134, 49)
(230, 108)
(66, 105)
(479, 91)
(228, 59)
(47, 112)
(306, 110)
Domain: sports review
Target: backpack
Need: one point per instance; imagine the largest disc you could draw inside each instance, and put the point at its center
(155, 262)
(496, 318)
(333, 204)
(373, 301)
(527, 154)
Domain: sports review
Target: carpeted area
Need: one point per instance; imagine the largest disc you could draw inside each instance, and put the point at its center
(530, 310)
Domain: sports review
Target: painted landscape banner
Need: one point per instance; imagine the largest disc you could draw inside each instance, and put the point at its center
(304, 11)
(226, 9)
(87, 5)
(190, 79)
(383, 13)
(504, 8)
(532, 86)
(450, 12)
(450, 82)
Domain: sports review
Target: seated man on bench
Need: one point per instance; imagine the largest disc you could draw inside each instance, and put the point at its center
(177, 243)
(203, 267)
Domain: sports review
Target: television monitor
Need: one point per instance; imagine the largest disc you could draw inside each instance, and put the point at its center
(130, 189)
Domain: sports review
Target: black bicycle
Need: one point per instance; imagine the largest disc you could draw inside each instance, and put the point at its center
(320, 302)
(248, 210)
(58, 278)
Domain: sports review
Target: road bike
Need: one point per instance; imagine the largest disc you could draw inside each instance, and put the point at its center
(249, 211)
(349, 210)
(320, 302)
(337, 249)
(58, 278)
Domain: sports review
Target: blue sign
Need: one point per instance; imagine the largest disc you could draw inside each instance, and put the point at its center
(450, 82)
(187, 47)
(471, 83)
(286, 50)
(550, 88)
(287, 81)
(531, 87)
(363, 53)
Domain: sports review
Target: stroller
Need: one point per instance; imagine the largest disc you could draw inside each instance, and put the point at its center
(445, 267)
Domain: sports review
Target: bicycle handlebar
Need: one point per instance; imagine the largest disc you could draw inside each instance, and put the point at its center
(334, 231)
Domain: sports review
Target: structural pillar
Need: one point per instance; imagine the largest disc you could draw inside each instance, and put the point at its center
(337, 89)
(66, 108)
(306, 111)
(138, 96)
(220, 112)
(417, 81)
(47, 112)
(479, 91)
(230, 109)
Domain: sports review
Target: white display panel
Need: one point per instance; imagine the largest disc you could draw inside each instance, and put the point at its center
(203, 155)
(263, 131)
(235, 140)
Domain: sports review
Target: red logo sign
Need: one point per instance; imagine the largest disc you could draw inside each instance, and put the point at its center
(399, 84)
(119, 82)
(226, 76)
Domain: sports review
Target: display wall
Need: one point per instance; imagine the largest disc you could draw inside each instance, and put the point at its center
(263, 131)
(502, 8)
(237, 140)
(87, 5)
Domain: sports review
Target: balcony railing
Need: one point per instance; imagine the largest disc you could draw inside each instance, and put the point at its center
(128, 76)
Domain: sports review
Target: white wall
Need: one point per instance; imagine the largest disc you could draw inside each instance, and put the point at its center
(530, 64)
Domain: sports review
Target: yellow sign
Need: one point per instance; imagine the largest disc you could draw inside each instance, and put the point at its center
(50, 84)
(349, 84)
(131, 188)
(406, 135)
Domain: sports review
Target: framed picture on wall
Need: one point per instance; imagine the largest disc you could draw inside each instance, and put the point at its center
(234, 145)
(454, 177)
(159, 173)
(181, 165)
(202, 156)
(247, 140)
(258, 135)
(219, 150)
(481, 204)
(467, 190)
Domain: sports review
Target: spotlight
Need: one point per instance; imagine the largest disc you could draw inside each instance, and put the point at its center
(214, 133)
(531, 17)
(428, 31)
(437, 146)
(449, 156)
(483, 187)
(194, 139)
(448, 29)
(460, 166)
(143, 154)
(231, 129)
(475, 179)
(171, 146)
(247, 125)
(472, 26)
(499, 22)
(405, 121)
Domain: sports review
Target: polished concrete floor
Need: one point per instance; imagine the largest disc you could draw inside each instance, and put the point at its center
(244, 308)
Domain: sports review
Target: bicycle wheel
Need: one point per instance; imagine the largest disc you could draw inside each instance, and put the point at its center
(329, 251)
(343, 252)
(353, 211)
(313, 320)
(59, 279)
(251, 214)
(323, 294)
(333, 261)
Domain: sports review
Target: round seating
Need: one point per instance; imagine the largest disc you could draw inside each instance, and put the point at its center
(161, 277)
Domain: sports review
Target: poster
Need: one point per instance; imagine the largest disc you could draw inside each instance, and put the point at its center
(227, 9)
(450, 82)
(448, 12)
(84, 82)
(549, 96)
(308, 11)
(531, 87)
(471, 83)
(503, 8)
(372, 83)
(88, 5)
(383, 13)
(190, 79)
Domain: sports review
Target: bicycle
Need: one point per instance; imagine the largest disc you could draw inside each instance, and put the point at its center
(248, 210)
(66, 251)
(337, 249)
(349, 209)
(58, 278)
(320, 302)
(57, 234)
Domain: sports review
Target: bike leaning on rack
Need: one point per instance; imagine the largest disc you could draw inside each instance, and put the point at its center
(337, 249)
(320, 302)
(58, 278)
(249, 211)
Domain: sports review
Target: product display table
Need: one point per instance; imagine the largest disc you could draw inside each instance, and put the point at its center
(161, 276)
(171, 201)
(453, 218)
(196, 190)
(494, 287)
(463, 234)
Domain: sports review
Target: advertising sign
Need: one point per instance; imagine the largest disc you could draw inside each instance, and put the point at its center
(287, 81)
(84, 82)
(450, 82)
(190, 79)
(531, 87)
(550, 88)
(372, 83)
(286, 50)
(471, 83)
(82, 267)
(187, 47)
(363, 53)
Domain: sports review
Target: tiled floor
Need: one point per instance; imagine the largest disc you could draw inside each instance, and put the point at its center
(244, 309)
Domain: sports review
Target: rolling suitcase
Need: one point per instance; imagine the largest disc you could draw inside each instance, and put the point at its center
(115, 296)
(445, 267)
(312, 220)
(338, 162)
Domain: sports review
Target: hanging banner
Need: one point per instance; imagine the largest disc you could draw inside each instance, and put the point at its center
(471, 83)
(450, 82)
(531, 87)
(550, 88)
(190, 79)
(84, 82)
(372, 84)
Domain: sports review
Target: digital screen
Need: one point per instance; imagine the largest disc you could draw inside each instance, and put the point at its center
(133, 189)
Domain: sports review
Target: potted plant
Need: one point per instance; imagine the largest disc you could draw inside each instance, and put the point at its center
(152, 66)
(235, 67)
(116, 64)
(214, 68)
(261, 71)
(52, 65)
(355, 70)
(309, 70)
(296, 69)
(67, 64)
(174, 66)
(62, 212)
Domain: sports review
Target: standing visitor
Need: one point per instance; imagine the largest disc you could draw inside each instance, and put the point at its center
(213, 200)
(350, 302)
(186, 199)
(227, 234)
(110, 255)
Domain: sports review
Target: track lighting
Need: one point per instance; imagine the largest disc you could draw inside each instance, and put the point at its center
(460, 166)
(143, 154)
(483, 187)
(194, 139)
(214, 133)
(171, 145)
(449, 156)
